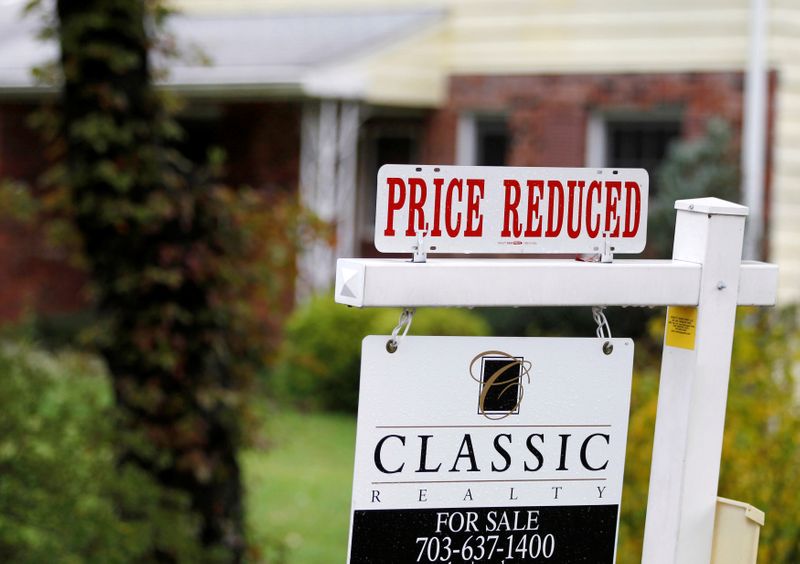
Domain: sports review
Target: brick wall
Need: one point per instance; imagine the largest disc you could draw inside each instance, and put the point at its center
(262, 141)
(548, 114)
(20, 148)
(34, 277)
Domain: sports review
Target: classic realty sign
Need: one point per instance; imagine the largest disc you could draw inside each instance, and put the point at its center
(477, 449)
(511, 209)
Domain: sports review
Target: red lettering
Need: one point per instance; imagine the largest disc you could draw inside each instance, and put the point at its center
(592, 229)
(474, 197)
(632, 212)
(456, 183)
(437, 210)
(397, 197)
(611, 207)
(574, 230)
(415, 205)
(533, 208)
(555, 215)
(513, 196)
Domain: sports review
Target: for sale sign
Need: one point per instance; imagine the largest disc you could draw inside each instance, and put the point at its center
(474, 449)
(463, 209)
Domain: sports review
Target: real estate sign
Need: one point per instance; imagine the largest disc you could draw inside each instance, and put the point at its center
(473, 449)
(477, 209)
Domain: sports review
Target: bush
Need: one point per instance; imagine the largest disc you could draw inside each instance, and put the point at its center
(433, 321)
(61, 492)
(695, 168)
(319, 362)
(761, 452)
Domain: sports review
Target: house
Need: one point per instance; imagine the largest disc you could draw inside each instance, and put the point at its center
(315, 95)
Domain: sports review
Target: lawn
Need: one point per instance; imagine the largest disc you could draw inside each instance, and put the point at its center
(299, 486)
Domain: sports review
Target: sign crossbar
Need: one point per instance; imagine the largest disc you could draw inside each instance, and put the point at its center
(538, 282)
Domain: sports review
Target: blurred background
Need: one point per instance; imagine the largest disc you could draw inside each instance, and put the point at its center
(177, 180)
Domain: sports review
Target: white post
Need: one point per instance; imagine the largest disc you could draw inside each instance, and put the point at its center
(319, 143)
(346, 173)
(693, 392)
(754, 128)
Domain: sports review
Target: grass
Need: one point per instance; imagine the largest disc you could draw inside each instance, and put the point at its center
(299, 487)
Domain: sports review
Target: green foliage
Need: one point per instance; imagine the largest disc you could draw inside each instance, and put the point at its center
(16, 202)
(696, 168)
(169, 253)
(60, 492)
(761, 451)
(433, 321)
(319, 362)
(186, 295)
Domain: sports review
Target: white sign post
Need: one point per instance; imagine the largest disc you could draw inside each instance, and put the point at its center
(477, 449)
(703, 284)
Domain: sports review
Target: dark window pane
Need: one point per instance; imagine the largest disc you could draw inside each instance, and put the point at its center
(393, 150)
(492, 141)
(384, 148)
(640, 144)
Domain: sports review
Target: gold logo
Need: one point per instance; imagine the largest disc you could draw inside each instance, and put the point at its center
(501, 382)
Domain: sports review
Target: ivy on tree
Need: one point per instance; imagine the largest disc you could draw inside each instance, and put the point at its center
(165, 249)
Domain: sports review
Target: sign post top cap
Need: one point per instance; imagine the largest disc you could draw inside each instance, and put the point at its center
(714, 206)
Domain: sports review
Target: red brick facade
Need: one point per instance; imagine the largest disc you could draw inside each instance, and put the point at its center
(262, 142)
(34, 277)
(548, 114)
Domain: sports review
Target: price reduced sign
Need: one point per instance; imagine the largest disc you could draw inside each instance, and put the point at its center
(473, 449)
(482, 209)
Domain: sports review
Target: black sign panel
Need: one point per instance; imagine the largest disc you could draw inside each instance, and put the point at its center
(513, 535)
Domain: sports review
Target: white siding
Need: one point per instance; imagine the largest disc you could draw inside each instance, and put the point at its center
(785, 203)
(410, 73)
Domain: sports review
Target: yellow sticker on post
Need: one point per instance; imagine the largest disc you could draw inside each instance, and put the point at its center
(681, 327)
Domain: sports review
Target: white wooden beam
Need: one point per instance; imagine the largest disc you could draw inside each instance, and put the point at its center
(537, 282)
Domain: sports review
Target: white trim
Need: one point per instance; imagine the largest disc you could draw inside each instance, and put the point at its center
(328, 161)
(466, 140)
(596, 149)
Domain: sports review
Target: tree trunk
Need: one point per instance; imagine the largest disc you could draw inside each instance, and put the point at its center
(154, 245)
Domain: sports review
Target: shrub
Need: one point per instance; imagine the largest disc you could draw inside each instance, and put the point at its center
(433, 321)
(760, 453)
(319, 362)
(61, 492)
(694, 168)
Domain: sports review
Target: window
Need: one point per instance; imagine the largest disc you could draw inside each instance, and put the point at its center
(385, 141)
(483, 140)
(631, 141)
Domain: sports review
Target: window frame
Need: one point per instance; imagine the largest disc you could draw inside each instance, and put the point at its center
(598, 131)
(468, 142)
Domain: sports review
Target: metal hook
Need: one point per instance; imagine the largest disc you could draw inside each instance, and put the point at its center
(405, 324)
(603, 328)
